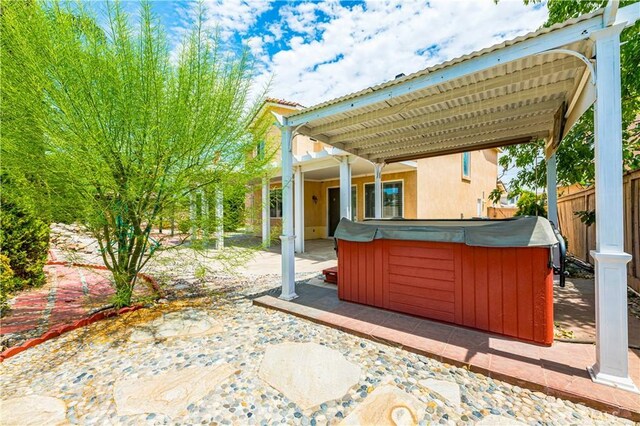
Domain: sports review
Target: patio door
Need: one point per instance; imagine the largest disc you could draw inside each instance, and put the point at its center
(334, 210)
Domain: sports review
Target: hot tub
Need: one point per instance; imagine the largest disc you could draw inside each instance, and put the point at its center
(485, 274)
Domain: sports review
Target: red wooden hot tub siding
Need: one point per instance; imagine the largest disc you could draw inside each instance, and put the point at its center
(503, 290)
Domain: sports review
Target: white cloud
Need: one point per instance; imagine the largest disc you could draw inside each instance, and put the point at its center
(363, 45)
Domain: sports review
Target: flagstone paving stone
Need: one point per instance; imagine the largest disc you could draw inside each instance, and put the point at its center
(84, 367)
(450, 391)
(34, 410)
(307, 373)
(387, 406)
(189, 322)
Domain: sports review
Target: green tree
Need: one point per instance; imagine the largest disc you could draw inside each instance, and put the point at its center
(575, 154)
(119, 127)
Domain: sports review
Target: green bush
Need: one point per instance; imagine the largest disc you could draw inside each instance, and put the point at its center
(6, 282)
(530, 204)
(24, 240)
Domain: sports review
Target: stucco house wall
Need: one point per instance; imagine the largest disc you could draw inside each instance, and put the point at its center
(443, 193)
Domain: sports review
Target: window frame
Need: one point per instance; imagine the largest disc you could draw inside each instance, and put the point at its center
(271, 191)
(374, 200)
(467, 176)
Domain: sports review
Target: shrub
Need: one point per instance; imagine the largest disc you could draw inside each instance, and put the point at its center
(6, 282)
(24, 240)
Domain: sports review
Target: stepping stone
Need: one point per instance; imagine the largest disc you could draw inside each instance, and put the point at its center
(387, 405)
(450, 391)
(307, 373)
(176, 324)
(493, 420)
(168, 393)
(33, 410)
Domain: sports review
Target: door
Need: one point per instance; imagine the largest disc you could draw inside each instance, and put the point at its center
(334, 210)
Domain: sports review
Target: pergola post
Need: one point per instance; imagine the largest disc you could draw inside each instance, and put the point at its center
(611, 367)
(287, 237)
(377, 190)
(345, 187)
(219, 218)
(299, 209)
(266, 213)
(552, 190)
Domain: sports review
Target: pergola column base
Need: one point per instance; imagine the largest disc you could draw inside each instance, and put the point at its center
(288, 268)
(624, 383)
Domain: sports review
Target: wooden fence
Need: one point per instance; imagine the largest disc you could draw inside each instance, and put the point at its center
(581, 238)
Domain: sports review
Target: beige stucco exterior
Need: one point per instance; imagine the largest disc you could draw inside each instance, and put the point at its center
(443, 193)
(434, 189)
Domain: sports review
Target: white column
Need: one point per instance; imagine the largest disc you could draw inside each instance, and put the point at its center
(193, 215)
(266, 213)
(287, 237)
(377, 190)
(219, 219)
(552, 190)
(345, 187)
(299, 209)
(204, 211)
(611, 367)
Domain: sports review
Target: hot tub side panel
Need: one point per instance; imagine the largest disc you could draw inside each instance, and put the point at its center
(503, 290)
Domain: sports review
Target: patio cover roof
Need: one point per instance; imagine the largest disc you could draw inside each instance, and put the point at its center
(534, 86)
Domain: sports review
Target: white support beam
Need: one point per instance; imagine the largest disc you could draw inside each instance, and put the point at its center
(552, 190)
(266, 213)
(299, 209)
(219, 218)
(611, 367)
(546, 41)
(377, 189)
(345, 187)
(288, 236)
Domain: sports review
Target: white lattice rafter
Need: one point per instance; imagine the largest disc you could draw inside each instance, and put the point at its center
(496, 81)
(418, 141)
(461, 122)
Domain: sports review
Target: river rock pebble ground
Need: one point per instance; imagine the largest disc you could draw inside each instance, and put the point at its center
(85, 370)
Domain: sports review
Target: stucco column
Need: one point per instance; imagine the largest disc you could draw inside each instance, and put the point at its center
(345, 187)
(287, 237)
(552, 190)
(266, 213)
(611, 367)
(219, 218)
(299, 209)
(377, 190)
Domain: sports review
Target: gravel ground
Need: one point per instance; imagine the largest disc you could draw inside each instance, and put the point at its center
(82, 367)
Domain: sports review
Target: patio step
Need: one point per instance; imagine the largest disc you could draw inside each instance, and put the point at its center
(331, 275)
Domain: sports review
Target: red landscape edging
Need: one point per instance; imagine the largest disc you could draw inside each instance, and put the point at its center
(59, 329)
(64, 328)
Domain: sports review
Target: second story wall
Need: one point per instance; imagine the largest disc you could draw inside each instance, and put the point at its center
(445, 193)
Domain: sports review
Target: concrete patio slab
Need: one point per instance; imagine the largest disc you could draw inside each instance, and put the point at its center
(559, 370)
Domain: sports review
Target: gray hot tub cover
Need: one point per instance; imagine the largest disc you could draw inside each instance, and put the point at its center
(526, 231)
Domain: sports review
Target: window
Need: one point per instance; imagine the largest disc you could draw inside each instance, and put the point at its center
(392, 200)
(275, 196)
(260, 150)
(354, 203)
(466, 165)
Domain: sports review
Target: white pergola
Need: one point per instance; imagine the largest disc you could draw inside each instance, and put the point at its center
(534, 86)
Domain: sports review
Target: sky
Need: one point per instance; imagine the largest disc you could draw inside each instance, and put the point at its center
(312, 51)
